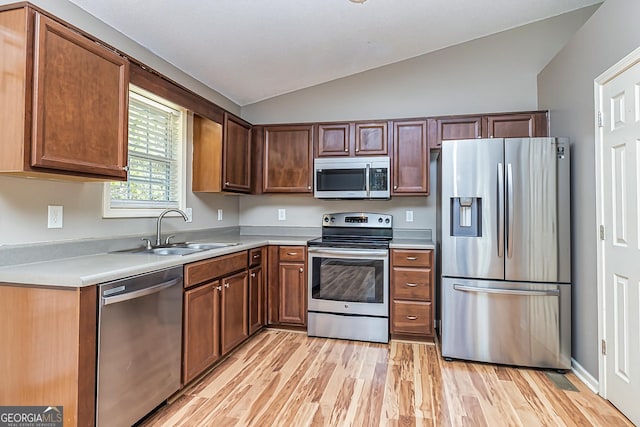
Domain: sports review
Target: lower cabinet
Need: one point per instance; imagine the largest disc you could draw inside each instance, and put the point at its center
(216, 311)
(412, 279)
(287, 284)
(257, 290)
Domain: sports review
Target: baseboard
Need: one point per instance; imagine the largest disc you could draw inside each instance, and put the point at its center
(585, 376)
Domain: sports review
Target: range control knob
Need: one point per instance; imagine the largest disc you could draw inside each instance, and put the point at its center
(380, 220)
(326, 219)
(387, 220)
(333, 219)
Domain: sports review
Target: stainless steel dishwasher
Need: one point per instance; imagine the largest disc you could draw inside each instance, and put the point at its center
(139, 345)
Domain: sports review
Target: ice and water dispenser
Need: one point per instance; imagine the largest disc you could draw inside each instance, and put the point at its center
(466, 216)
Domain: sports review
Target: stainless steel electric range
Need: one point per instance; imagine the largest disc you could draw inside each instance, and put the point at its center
(349, 277)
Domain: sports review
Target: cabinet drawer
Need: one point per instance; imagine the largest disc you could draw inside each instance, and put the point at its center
(411, 283)
(255, 257)
(411, 258)
(208, 269)
(412, 318)
(292, 253)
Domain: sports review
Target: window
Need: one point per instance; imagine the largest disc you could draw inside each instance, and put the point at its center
(156, 177)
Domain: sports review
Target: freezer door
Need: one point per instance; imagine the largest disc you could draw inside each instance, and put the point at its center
(537, 210)
(472, 214)
(522, 324)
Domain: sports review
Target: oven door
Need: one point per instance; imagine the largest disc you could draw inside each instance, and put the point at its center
(349, 281)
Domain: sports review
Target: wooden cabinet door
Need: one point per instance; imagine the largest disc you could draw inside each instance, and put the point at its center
(80, 103)
(410, 158)
(236, 157)
(371, 139)
(288, 159)
(201, 335)
(455, 128)
(515, 125)
(256, 299)
(334, 140)
(292, 294)
(234, 311)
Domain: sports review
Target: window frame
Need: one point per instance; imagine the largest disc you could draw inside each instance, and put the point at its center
(133, 212)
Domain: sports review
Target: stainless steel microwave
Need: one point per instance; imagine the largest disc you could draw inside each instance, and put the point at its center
(352, 178)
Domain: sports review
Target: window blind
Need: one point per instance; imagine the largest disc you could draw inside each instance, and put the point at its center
(154, 147)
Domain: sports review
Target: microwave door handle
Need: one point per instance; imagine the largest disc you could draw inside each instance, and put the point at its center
(366, 178)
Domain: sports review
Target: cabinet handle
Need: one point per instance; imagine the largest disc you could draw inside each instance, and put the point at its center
(301, 270)
(292, 253)
(411, 258)
(412, 317)
(219, 288)
(226, 285)
(411, 285)
(256, 256)
(253, 274)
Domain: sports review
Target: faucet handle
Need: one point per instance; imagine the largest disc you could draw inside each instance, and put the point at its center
(167, 240)
(148, 244)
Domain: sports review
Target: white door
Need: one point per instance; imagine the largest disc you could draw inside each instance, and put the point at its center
(620, 252)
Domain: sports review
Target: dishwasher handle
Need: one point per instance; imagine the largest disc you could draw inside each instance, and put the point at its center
(140, 293)
(503, 291)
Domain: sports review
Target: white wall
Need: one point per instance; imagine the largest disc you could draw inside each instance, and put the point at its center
(492, 74)
(565, 87)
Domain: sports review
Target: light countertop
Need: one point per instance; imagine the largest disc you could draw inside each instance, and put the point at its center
(79, 271)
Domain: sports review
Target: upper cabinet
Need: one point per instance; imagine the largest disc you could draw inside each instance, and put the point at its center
(287, 159)
(410, 158)
(73, 119)
(515, 125)
(510, 125)
(236, 155)
(353, 139)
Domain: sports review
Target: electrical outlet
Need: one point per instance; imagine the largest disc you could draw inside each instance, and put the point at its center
(189, 213)
(409, 215)
(220, 215)
(282, 214)
(54, 216)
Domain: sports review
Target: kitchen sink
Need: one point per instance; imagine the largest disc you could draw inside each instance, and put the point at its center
(184, 248)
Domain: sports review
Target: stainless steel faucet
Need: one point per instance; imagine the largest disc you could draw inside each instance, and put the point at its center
(159, 223)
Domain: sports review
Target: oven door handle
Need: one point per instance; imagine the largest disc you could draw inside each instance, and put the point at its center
(379, 253)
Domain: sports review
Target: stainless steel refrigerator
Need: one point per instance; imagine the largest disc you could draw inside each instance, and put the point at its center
(505, 247)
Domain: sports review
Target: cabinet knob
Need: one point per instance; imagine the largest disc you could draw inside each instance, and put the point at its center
(412, 317)
(346, 150)
(301, 269)
(125, 168)
(411, 285)
(309, 187)
(226, 183)
(256, 256)
(226, 285)
(219, 288)
(253, 274)
(357, 150)
(395, 187)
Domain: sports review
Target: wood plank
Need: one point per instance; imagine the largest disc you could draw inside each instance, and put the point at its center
(283, 378)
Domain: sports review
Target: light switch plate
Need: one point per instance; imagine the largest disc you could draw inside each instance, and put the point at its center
(282, 214)
(54, 216)
(220, 214)
(189, 213)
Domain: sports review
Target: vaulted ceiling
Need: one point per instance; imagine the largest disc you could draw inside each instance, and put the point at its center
(250, 50)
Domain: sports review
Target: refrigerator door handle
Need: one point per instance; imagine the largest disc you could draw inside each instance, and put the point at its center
(518, 292)
(500, 210)
(509, 211)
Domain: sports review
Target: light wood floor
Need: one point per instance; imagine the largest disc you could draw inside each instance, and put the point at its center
(283, 378)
